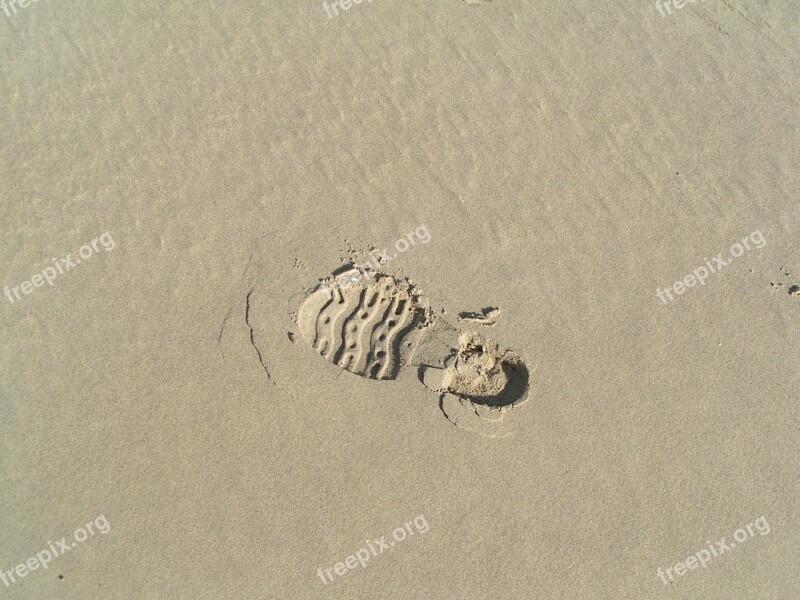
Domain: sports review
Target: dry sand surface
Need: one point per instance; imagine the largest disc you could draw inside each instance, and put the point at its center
(400, 299)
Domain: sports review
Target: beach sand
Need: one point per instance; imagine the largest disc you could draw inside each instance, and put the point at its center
(569, 162)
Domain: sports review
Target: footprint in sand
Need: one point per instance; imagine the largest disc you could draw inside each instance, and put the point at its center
(378, 326)
(369, 329)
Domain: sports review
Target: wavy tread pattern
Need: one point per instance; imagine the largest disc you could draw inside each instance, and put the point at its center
(368, 329)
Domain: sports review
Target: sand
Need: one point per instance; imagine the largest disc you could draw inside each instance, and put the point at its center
(581, 167)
